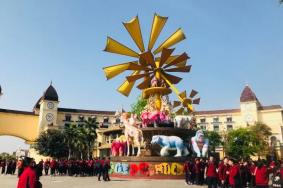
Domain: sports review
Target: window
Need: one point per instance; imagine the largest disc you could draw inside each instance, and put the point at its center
(202, 120)
(68, 117)
(92, 118)
(81, 118)
(216, 128)
(229, 127)
(229, 119)
(203, 127)
(118, 120)
(105, 120)
(216, 119)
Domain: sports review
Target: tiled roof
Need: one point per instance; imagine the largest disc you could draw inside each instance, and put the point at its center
(86, 111)
(16, 112)
(271, 107)
(50, 94)
(227, 111)
(248, 95)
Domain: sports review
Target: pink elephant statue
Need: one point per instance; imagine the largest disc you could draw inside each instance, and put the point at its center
(118, 148)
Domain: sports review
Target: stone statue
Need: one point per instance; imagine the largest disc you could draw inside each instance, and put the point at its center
(170, 143)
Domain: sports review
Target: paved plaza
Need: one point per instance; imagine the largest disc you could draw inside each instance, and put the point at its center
(8, 181)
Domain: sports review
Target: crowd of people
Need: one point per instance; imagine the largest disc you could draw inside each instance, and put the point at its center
(227, 173)
(29, 172)
(8, 166)
(230, 173)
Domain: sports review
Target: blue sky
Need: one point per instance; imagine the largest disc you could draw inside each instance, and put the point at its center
(231, 43)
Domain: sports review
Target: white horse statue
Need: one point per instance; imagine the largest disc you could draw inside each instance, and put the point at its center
(132, 133)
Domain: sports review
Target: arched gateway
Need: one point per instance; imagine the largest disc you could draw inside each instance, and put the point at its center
(47, 115)
(28, 125)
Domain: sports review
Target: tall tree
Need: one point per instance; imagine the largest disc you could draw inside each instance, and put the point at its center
(138, 107)
(90, 134)
(262, 132)
(70, 134)
(215, 140)
(241, 143)
(51, 143)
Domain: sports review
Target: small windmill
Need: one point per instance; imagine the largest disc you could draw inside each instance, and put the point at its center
(186, 102)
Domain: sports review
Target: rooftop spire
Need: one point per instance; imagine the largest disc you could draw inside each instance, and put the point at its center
(248, 95)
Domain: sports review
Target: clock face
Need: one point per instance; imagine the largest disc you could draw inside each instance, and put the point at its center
(249, 118)
(50, 105)
(49, 117)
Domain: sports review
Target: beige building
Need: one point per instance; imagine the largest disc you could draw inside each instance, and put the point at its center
(47, 114)
(249, 112)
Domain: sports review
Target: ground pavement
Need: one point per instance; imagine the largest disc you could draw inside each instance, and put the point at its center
(9, 181)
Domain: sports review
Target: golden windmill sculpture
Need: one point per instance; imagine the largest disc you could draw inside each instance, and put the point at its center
(149, 67)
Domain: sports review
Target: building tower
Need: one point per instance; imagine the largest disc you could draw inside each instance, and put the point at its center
(48, 106)
(1, 91)
(249, 106)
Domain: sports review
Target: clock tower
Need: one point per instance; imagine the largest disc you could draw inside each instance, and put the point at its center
(249, 106)
(48, 105)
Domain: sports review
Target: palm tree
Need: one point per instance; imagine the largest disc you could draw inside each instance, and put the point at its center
(90, 127)
(70, 133)
(80, 141)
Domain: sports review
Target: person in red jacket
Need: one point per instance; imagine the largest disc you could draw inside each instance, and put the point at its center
(28, 177)
(223, 173)
(261, 175)
(234, 174)
(53, 165)
(211, 173)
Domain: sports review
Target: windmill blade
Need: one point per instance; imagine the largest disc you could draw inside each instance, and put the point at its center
(156, 27)
(196, 101)
(193, 93)
(180, 69)
(181, 64)
(127, 86)
(170, 59)
(133, 78)
(165, 55)
(187, 101)
(173, 39)
(112, 71)
(148, 58)
(183, 94)
(114, 46)
(171, 78)
(176, 104)
(179, 59)
(134, 29)
(146, 83)
(180, 111)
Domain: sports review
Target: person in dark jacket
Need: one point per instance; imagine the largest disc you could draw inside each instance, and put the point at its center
(223, 173)
(100, 168)
(106, 167)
